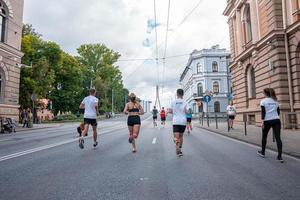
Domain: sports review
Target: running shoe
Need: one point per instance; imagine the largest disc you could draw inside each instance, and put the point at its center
(280, 159)
(260, 154)
(95, 144)
(180, 154)
(81, 142)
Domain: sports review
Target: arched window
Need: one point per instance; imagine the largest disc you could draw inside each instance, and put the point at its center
(248, 25)
(217, 106)
(3, 17)
(251, 83)
(215, 67)
(200, 89)
(199, 68)
(216, 87)
(2, 79)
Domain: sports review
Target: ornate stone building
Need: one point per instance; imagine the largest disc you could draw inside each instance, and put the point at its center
(207, 71)
(265, 52)
(11, 16)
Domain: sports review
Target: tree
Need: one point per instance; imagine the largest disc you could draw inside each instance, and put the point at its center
(67, 92)
(98, 61)
(29, 30)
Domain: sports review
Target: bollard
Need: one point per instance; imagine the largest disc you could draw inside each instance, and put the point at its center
(228, 128)
(216, 118)
(207, 117)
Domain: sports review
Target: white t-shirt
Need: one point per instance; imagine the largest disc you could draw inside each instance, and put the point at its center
(231, 110)
(271, 108)
(90, 104)
(179, 106)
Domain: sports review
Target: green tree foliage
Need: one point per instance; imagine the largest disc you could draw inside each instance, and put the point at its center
(67, 87)
(65, 79)
(98, 61)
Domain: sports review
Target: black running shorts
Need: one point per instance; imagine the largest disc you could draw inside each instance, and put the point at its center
(231, 116)
(133, 120)
(178, 128)
(189, 119)
(92, 122)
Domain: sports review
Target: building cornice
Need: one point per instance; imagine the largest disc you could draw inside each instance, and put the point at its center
(254, 47)
(293, 28)
(11, 51)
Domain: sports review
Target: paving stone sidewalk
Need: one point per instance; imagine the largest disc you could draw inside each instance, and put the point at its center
(290, 138)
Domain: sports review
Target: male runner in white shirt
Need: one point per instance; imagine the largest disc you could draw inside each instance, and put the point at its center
(90, 106)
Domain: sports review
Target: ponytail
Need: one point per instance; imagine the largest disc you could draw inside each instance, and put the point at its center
(270, 92)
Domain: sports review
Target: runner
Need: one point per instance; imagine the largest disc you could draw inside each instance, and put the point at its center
(90, 106)
(270, 115)
(189, 117)
(163, 116)
(179, 110)
(154, 113)
(231, 112)
(134, 110)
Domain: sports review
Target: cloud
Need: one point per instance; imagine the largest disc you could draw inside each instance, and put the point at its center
(122, 25)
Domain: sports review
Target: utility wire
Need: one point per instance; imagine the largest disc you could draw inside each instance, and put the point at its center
(145, 59)
(156, 45)
(166, 46)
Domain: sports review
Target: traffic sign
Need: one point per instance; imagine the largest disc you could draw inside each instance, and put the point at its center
(207, 98)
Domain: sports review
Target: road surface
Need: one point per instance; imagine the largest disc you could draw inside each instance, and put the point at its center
(48, 164)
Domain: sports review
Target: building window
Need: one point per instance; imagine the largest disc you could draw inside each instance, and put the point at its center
(200, 89)
(251, 83)
(216, 87)
(2, 79)
(3, 17)
(217, 106)
(248, 25)
(199, 68)
(215, 67)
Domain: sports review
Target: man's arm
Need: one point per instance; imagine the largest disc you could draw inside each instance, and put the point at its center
(81, 106)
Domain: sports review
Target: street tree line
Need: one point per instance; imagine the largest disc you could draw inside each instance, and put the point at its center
(65, 79)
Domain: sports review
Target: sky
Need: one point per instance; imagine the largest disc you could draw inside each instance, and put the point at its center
(122, 25)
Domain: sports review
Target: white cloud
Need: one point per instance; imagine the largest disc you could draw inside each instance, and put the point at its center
(122, 26)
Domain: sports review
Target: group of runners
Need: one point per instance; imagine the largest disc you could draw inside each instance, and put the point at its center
(162, 115)
(182, 116)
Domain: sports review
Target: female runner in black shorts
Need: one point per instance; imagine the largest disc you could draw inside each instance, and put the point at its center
(134, 110)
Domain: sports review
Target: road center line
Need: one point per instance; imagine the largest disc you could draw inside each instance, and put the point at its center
(154, 140)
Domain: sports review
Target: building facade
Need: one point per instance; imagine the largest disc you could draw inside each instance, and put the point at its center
(11, 16)
(207, 71)
(265, 52)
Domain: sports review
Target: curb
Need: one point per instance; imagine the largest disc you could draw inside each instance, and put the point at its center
(246, 141)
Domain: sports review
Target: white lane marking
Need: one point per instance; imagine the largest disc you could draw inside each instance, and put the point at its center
(18, 154)
(154, 140)
(5, 140)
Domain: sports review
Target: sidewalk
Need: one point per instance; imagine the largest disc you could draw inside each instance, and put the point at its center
(20, 128)
(290, 138)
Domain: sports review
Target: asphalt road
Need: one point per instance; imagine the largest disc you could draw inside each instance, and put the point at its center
(48, 164)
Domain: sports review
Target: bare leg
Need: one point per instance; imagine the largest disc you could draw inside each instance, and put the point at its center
(95, 133)
(136, 131)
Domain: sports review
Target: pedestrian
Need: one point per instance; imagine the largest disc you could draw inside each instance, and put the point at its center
(189, 117)
(270, 115)
(231, 112)
(133, 109)
(25, 118)
(154, 115)
(90, 106)
(30, 119)
(163, 116)
(179, 109)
